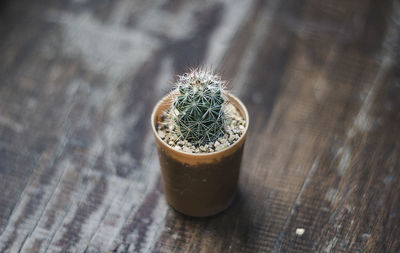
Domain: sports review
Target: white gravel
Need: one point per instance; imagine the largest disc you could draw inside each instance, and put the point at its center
(235, 126)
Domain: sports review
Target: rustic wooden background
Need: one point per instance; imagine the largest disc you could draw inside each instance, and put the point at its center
(78, 165)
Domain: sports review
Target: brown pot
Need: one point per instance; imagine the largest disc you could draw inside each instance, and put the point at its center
(199, 184)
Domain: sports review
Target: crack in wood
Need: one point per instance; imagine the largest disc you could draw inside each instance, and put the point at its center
(311, 171)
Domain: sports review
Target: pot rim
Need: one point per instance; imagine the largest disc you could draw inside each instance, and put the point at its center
(236, 103)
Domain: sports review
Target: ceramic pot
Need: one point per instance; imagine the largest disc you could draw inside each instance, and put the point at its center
(201, 184)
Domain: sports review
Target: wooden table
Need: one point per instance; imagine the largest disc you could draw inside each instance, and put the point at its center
(78, 164)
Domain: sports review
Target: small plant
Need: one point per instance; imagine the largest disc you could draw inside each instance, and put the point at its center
(200, 131)
(198, 112)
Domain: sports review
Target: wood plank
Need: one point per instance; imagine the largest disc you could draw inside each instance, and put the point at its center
(78, 167)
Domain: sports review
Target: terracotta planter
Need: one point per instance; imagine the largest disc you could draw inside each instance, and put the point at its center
(199, 184)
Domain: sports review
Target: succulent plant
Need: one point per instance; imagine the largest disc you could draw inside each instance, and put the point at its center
(198, 109)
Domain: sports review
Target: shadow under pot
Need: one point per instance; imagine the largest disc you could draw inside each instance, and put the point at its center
(199, 184)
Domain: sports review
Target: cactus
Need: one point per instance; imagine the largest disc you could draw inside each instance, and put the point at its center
(198, 107)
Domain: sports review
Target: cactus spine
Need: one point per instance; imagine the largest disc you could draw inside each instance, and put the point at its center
(198, 109)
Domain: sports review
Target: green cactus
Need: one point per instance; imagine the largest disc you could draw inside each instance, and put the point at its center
(198, 109)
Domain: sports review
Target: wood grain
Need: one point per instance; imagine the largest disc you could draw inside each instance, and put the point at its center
(78, 165)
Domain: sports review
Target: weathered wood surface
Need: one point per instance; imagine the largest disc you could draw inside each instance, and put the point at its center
(78, 80)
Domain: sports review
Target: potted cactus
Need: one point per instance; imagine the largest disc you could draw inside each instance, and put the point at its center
(200, 130)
